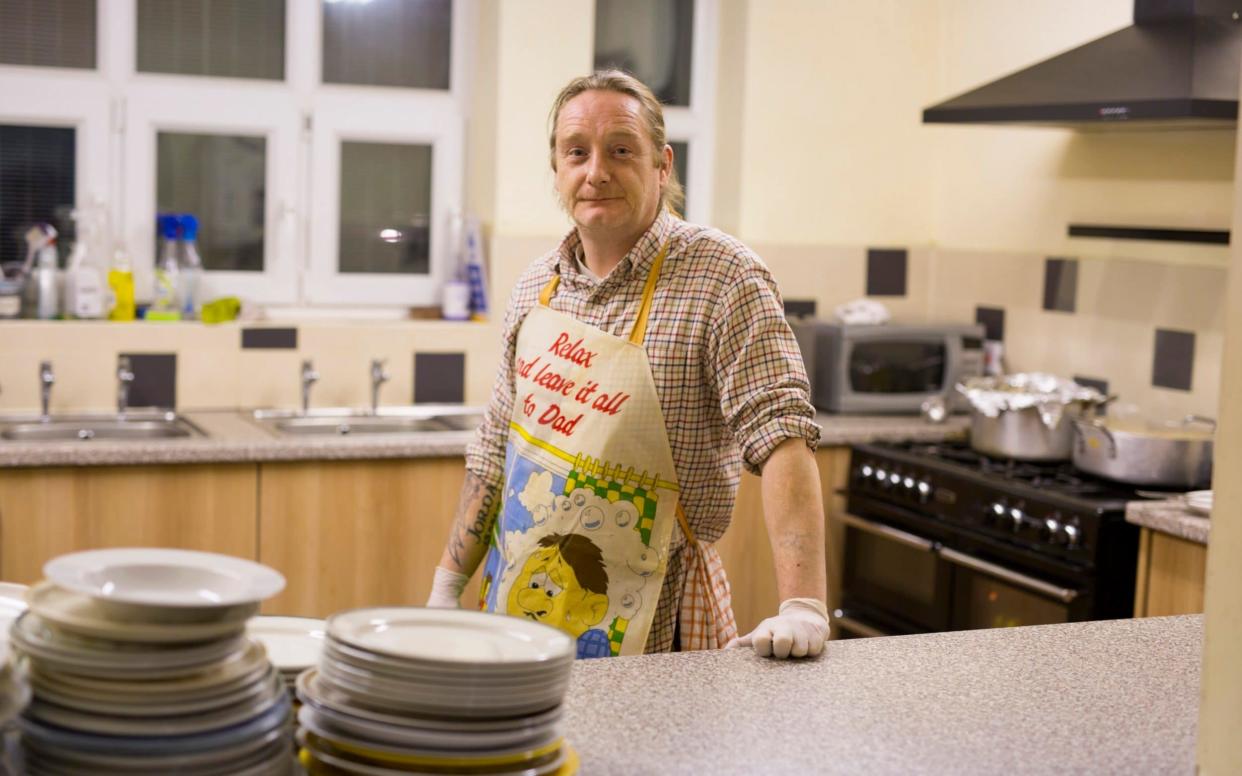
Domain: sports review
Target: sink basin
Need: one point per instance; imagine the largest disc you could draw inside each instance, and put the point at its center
(338, 421)
(362, 424)
(134, 426)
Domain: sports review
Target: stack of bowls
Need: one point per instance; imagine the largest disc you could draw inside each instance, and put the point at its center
(139, 663)
(401, 690)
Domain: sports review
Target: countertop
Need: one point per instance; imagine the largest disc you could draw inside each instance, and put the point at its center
(1117, 696)
(232, 438)
(1171, 517)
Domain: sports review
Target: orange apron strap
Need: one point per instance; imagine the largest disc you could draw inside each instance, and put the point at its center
(685, 525)
(545, 296)
(640, 323)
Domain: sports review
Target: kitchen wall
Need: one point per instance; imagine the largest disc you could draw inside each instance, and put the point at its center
(821, 156)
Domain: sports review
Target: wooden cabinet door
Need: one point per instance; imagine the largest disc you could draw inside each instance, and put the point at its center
(45, 512)
(747, 553)
(349, 534)
(1171, 573)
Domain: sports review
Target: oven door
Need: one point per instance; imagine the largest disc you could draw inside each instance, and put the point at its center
(989, 595)
(894, 581)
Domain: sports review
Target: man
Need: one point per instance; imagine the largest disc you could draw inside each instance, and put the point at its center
(646, 360)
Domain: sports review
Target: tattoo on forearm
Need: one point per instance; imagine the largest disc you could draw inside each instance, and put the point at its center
(478, 525)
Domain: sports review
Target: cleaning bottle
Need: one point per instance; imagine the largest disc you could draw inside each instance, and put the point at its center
(47, 296)
(476, 271)
(191, 269)
(84, 287)
(455, 304)
(121, 283)
(165, 306)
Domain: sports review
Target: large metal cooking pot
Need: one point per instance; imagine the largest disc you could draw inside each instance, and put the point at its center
(1022, 434)
(1027, 416)
(1141, 452)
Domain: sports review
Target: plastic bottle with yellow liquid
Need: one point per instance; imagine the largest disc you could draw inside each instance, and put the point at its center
(121, 284)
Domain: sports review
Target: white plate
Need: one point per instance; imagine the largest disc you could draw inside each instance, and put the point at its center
(324, 727)
(86, 616)
(312, 690)
(450, 636)
(244, 668)
(162, 577)
(402, 735)
(192, 724)
(293, 643)
(38, 638)
(497, 674)
(389, 692)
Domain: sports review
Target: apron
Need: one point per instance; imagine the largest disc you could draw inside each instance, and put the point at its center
(590, 501)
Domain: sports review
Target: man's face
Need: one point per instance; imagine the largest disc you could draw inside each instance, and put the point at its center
(608, 176)
(547, 591)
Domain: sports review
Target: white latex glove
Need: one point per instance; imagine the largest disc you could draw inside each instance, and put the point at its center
(798, 630)
(446, 589)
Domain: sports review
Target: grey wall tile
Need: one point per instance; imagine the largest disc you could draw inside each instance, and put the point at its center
(440, 377)
(1173, 360)
(993, 320)
(800, 308)
(262, 337)
(155, 379)
(1061, 285)
(886, 271)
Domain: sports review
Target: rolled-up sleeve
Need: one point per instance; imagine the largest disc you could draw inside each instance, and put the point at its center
(485, 455)
(757, 367)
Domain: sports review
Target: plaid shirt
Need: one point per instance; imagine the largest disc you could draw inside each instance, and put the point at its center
(726, 367)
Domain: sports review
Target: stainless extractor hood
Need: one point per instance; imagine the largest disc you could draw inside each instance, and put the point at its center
(1176, 66)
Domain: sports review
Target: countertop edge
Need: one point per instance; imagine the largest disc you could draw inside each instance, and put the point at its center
(234, 440)
(1171, 517)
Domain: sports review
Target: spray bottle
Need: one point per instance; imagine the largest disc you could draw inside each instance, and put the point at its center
(84, 286)
(166, 304)
(191, 269)
(121, 284)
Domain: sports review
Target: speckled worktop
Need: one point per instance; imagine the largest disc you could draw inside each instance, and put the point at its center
(233, 438)
(1101, 697)
(1171, 517)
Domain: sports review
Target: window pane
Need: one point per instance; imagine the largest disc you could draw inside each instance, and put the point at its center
(47, 33)
(681, 155)
(385, 208)
(388, 42)
(226, 38)
(651, 39)
(221, 180)
(36, 184)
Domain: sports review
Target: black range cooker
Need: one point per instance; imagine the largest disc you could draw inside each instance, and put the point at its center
(939, 537)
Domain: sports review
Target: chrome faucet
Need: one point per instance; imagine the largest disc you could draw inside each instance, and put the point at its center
(379, 376)
(124, 376)
(309, 378)
(46, 380)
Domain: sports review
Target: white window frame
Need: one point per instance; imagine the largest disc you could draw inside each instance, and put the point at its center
(695, 124)
(66, 99)
(339, 113)
(119, 111)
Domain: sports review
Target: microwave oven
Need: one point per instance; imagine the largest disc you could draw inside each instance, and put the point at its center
(886, 368)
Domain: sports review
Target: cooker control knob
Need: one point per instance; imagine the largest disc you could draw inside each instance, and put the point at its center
(1051, 530)
(1072, 535)
(881, 476)
(925, 490)
(894, 479)
(994, 513)
(866, 470)
(1016, 517)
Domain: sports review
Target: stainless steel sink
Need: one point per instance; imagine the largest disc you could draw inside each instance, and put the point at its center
(338, 421)
(135, 425)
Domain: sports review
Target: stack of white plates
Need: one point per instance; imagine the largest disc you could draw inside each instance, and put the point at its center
(1200, 502)
(293, 643)
(402, 690)
(139, 663)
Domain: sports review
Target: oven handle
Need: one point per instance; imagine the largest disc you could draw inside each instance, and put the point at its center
(908, 539)
(1022, 580)
(845, 622)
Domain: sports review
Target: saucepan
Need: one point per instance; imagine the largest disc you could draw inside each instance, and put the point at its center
(1140, 451)
(1028, 415)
